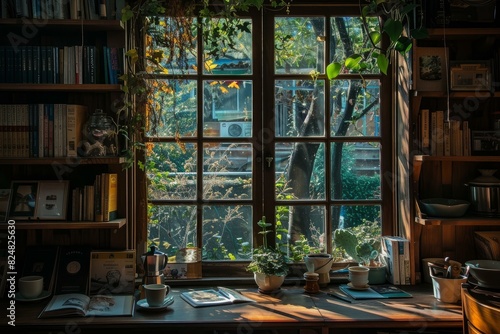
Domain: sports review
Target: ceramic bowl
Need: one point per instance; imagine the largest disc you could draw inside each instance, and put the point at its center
(444, 207)
(486, 272)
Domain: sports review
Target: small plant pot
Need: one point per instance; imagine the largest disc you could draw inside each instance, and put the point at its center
(268, 283)
(377, 275)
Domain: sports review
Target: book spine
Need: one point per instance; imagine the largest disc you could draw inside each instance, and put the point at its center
(391, 254)
(439, 133)
(75, 117)
(433, 140)
(425, 131)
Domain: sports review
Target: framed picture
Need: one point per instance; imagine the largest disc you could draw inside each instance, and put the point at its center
(52, 200)
(23, 200)
(4, 204)
(430, 68)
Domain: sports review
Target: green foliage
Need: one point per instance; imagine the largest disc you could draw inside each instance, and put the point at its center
(266, 259)
(395, 16)
(361, 243)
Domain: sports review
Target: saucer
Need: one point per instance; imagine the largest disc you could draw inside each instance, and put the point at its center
(43, 295)
(143, 304)
(366, 287)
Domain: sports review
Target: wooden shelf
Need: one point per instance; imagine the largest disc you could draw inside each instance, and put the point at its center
(68, 225)
(471, 158)
(87, 25)
(460, 221)
(456, 94)
(461, 32)
(66, 160)
(33, 87)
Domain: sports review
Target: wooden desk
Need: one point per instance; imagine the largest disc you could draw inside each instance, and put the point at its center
(290, 311)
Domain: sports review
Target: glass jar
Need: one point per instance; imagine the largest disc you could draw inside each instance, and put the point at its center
(100, 136)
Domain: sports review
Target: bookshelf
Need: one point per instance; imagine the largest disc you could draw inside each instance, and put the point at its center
(439, 175)
(101, 92)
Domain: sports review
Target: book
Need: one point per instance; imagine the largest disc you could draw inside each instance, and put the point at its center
(109, 196)
(75, 120)
(73, 270)
(42, 261)
(211, 297)
(112, 272)
(425, 131)
(390, 255)
(75, 304)
(375, 292)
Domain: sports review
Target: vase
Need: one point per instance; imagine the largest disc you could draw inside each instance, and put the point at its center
(268, 283)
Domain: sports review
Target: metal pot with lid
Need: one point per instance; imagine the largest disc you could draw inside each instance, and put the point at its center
(484, 192)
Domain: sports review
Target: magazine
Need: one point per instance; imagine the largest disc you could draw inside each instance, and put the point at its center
(375, 292)
(76, 304)
(211, 297)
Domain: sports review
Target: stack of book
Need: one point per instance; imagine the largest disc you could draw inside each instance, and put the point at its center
(41, 130)
(442, 137)
(97, 202)
(396, 256)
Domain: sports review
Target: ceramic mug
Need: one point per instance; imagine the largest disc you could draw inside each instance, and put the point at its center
(156, 293)
(358, 276)
(30, 287)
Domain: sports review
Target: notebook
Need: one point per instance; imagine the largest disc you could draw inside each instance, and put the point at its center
(375, 292)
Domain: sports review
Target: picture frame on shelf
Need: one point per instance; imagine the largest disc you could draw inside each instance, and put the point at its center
(52, 200)
(430, 68)
(23, 199)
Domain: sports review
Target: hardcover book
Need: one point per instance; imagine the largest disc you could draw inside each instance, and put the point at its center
(73, 270)
(75, 304)
(375, 292)
(212, 297)
(112, 272)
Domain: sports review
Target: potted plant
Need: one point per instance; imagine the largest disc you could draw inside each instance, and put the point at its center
(269, 264)
(364, 251)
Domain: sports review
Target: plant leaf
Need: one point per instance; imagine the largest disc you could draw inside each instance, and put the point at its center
(393, 28)
(419, 33)
(352, 61)
(403, 45)
(375, 36)
(383, 63)
(333, 70)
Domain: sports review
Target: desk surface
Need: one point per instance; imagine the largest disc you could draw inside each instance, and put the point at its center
(289, 309)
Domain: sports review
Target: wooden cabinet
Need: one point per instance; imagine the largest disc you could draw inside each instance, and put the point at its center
(98, 92)
(440, 176)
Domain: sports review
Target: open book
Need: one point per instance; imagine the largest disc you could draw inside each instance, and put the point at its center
(210, 297)
(375, 292)
(76, 304)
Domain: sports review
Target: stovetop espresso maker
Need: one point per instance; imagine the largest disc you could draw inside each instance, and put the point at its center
(154, 262)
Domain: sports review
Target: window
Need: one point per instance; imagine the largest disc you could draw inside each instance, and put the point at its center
(254, 128)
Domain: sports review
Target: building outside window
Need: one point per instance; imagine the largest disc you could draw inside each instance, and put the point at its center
(256, 129)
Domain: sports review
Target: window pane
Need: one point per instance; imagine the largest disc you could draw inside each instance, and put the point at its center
(358, 42)
(312, 221)
(300, 171)
(163, 40)
(299, 45)
(227, 171)
(227, 232)
(358, 175)
(227, 101)
(299, 108)
(172, 227)
(171, 171)
(173, 109)
(355, 118)
(227, 46)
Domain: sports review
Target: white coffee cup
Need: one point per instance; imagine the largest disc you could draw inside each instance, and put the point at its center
(30, 287)
(156, 293)
(358, 276)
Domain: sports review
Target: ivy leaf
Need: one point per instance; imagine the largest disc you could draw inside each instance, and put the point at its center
(352, 61)
(403, 45)
(393, 28)
(382, 63)
(375, 36)
(333, 70)
(419, 33)
(127, 13)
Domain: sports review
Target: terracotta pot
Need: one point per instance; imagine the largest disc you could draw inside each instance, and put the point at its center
(268, 283)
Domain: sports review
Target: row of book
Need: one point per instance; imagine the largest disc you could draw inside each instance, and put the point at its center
(96, 202)
(63, 9)
(442, 137)
(41, 130)
(61, 64)
(396, 256)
